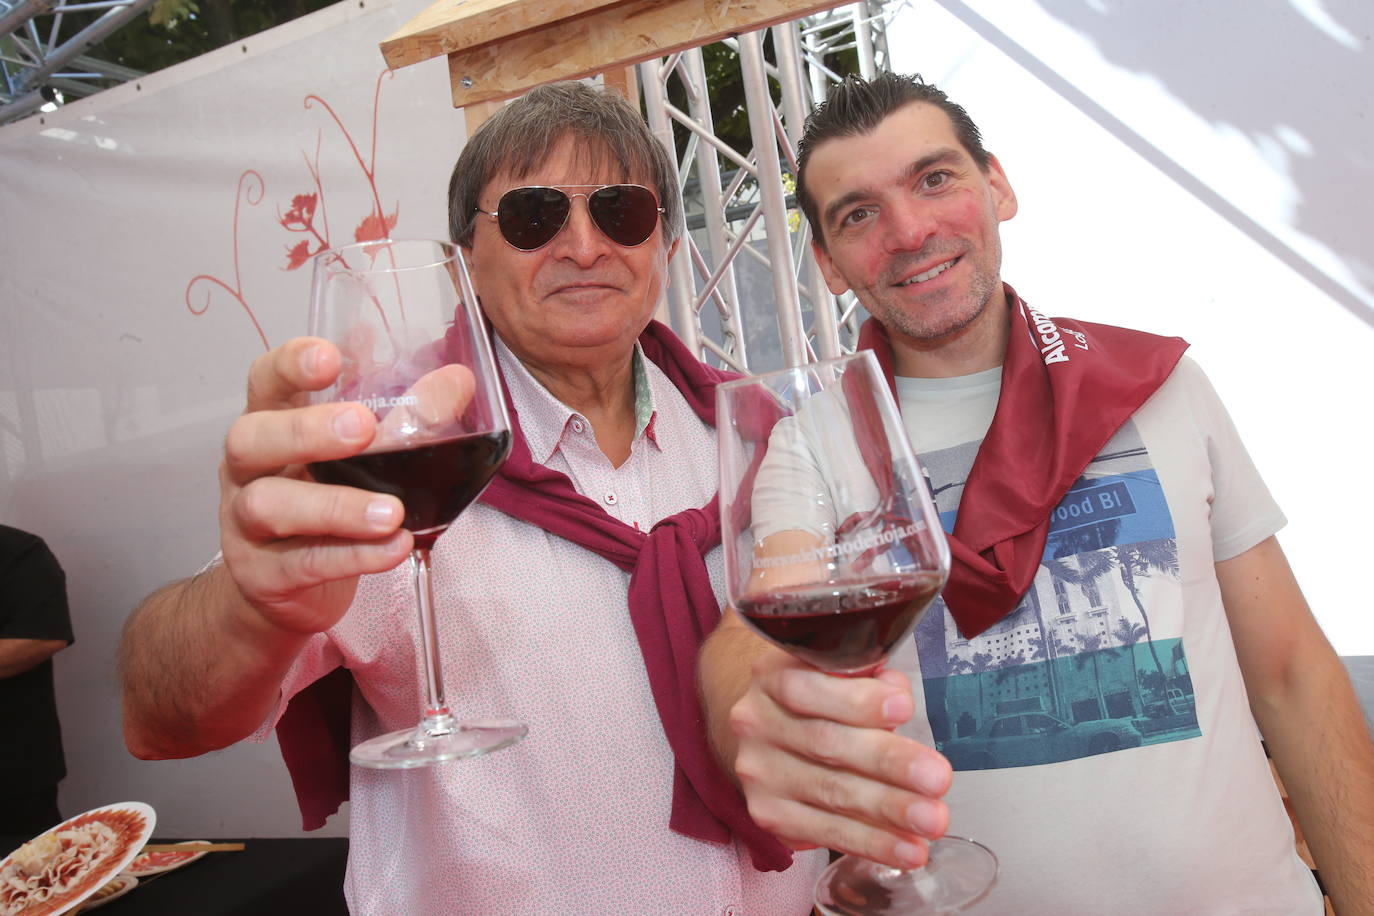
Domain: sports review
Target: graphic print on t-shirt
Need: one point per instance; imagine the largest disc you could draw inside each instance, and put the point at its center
(1091, 660)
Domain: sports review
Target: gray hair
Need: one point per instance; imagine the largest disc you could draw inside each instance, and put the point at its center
(520, 137)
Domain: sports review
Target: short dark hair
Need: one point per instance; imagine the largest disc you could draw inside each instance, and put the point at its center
(521, 135)
(857, 106)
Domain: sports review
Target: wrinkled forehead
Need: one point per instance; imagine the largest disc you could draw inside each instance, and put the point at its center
(569, 159)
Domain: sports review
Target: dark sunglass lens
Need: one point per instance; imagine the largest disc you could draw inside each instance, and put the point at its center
(626, 213)
(530, 217)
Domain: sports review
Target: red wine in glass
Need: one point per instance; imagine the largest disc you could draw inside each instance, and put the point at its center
(433, 482)
(848, 630)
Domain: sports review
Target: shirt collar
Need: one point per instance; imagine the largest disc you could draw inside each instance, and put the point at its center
(543, 418)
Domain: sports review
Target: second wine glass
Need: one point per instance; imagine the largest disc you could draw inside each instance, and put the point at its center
(833, 551)
(415, 352)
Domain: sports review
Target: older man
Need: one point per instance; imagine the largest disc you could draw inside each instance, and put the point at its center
(561, 593)
(1120, 625)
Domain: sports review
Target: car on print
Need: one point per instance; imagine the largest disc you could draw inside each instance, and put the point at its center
(1030, 738)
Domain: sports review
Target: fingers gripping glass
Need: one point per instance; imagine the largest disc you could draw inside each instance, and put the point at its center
(529, 218)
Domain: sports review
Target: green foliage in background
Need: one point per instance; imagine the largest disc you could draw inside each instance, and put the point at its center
(728, 110)
(177, 30)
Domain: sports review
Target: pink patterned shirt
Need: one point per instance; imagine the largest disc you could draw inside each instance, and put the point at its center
(574, 819)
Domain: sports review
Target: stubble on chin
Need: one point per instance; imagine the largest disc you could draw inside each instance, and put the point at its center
(936, 320)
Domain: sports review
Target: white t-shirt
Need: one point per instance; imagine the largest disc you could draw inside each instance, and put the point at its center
(574, 819)
(1101, 735)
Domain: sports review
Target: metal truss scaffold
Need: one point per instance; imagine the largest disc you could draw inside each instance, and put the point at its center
(37, 62)
(747, 245)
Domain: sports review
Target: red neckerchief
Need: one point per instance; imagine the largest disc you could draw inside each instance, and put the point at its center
(1067, 387)
(672, 604)
(672, 607)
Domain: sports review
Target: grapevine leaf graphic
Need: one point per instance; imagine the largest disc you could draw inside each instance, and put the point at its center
(299, 254)
(375, 227)
(302, 212)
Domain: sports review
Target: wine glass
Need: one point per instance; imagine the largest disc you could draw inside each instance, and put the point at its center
(833, 551)
(414, 347)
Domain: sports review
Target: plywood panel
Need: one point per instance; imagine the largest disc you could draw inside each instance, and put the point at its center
(615, 36)
(455, 25)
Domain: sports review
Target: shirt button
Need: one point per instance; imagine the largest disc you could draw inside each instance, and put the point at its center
(610, 499)
(732, 910)
(577, 426)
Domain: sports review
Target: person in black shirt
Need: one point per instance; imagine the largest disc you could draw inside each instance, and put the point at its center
(34, 626)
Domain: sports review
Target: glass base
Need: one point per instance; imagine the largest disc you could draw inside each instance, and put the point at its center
(960, 873)
(436, 739)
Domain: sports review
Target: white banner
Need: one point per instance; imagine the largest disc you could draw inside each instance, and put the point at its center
(154, 237)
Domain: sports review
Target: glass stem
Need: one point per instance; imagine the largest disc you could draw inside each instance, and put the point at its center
(436, 709)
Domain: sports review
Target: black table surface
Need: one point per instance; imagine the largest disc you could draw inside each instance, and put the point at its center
(266, 877)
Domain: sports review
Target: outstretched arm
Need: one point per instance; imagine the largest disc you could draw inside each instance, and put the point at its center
(1302, 699)
(201, 659)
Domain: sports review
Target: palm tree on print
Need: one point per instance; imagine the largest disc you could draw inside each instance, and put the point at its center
(1151, 682)
(1093, 646)
(1141, 560)
(1132, 562)
(1061, 574)
(943, 729)
(1128, 633)
(1063, 644)
(1042, 647)
(1178, 663)
(977, 665)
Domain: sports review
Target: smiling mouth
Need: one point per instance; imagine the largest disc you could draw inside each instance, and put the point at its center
(932, 273)
(582, 288)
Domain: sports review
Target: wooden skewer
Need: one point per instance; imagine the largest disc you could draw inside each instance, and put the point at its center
(193, 847)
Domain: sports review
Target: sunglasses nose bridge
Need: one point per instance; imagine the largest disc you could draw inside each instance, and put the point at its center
(581, 224)
(586, 207)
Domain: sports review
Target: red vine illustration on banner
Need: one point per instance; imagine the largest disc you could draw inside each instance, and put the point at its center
(301, 216)
(237, 289)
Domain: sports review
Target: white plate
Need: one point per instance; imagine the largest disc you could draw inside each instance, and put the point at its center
(132, 823)
(155, 863)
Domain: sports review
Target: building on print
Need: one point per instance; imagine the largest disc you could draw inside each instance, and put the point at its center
(1073, 671)
(1091, 660)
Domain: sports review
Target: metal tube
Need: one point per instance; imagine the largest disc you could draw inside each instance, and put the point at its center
(867, 68)
(25, 104)
(12, 18)
(771, 193)
(707, 134)
(92, 34)
(678, 312)
(824, 328)
(713, 203)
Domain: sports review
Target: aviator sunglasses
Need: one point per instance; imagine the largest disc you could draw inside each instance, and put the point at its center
(529, 218)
